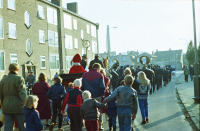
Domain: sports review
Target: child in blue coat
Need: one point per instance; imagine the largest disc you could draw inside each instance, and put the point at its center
(31, 115)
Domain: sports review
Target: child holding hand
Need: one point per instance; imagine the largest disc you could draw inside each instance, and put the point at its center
(31, 115)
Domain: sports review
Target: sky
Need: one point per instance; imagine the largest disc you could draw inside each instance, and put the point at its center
(143, 25)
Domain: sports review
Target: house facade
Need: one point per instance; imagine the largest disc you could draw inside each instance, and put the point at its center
(42, 36)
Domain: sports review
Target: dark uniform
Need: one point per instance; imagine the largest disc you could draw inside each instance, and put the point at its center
(95, 61)
(83, 63)
(150, 75)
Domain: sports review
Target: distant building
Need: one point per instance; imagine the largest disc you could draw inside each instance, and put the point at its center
(34, 32)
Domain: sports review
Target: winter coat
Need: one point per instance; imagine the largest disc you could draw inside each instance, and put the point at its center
(95, 61)
(40, 89)
(89, 109)
(191, 70)
(93, 81)
(33, 122)
(30, 80)
(112, 108)
(12, 93)
(56, 91)
(186, 71)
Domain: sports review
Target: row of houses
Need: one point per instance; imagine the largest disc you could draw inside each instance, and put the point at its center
(161, 58)
(43, 36)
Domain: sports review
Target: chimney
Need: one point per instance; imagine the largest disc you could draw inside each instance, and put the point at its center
(73, 7)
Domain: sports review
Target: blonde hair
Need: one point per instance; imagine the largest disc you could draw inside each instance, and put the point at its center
(29, 101)
(127, 71)
(102, 71)
(86, 94)
(57, 79)
(128, 80)
(143, 80)
(42, 77)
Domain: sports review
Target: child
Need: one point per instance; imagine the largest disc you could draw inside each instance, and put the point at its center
(74, 101)
(56, 93)
(89, 111)
(126, 103)
(31, 115)
(112, 114)
(70, 87)
(143, 94)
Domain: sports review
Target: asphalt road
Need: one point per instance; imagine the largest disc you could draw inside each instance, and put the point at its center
(165, 113)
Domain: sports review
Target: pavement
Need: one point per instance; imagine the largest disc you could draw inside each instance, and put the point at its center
(185, 91)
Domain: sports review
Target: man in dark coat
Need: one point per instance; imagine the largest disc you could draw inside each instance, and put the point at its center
(191, 72)
(83, 61)
(96, 60)
(150, 75)
(121, 71)
(115, 77)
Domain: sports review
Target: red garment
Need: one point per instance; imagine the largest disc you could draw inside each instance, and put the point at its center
(77, 68)
(107, 82)
(92, 125)
(40, 89)
(16, 125)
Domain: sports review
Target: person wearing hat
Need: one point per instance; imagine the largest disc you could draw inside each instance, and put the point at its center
(83, 61)
(76, 68)
(96, 60)
(31, 79)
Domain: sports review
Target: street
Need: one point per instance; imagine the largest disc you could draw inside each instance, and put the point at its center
(165, 114)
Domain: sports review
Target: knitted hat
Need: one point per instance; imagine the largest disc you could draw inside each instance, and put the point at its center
(77, 58)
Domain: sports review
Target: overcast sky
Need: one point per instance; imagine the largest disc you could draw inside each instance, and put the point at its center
(142, 25)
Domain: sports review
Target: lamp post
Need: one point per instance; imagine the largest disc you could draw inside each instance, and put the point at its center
(86, 45)
(196, 64)
(108, 40)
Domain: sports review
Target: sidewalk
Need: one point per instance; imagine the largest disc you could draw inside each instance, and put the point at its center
(186, 92)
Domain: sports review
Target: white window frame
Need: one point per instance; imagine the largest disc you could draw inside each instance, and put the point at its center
(30, 47)
(1, 19)
(3, 60)
(93, 31)
(9, 24)
(88, 29)
(67, 21)
(41, 10)
(13, 58)
(68, 40)
(42, 58)
(67, 58)
(1, 4)
(41, 32)
(10, 7)
(124, 59)
(55, 36)
(75, 24)
(94, 45)
(82, 34)
(28, 25)
(54, 21)
(57, 58)
(75, 43)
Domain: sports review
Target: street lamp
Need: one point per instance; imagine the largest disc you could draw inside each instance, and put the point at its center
(108, 40)
(196, 64)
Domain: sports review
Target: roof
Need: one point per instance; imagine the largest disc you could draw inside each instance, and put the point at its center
(168, 54)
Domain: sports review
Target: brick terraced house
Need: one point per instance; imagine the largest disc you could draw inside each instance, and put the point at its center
(42, 36)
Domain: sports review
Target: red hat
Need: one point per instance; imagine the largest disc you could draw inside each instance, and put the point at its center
(77, 58)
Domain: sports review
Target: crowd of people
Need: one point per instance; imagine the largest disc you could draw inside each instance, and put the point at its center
(84, 100)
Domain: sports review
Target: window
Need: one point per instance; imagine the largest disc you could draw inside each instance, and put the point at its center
(41, 36)
(1, 6)
(43, 62)
(1, 28)
(88, 29)
(51, 16)
(67, 21)
(82, 34)
(52, 38)
(2, 60)
(54, 61)
(138, 59)
(93, 30)
(75, 24)
(11, 4)
(75, 43)
(94, 47)
(68, 42)
(40, 12)
(28, 47)
(12, 30)
(27, 18)
(124, 58)
(13, 58)
(68, 62)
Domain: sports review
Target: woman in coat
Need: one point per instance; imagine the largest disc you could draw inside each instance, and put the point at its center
(186, 73)
(40, 89)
